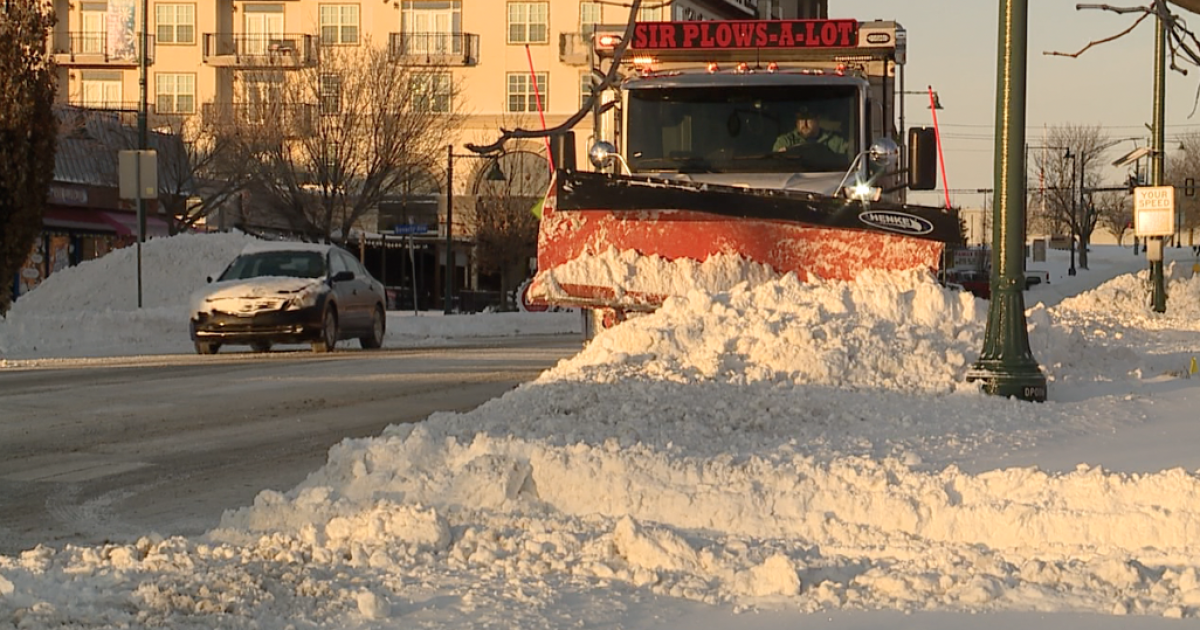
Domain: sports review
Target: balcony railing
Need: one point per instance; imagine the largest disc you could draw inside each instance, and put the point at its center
(458, 49)
(96, 47)
(290, 50)
(574, 48)
(291, 121)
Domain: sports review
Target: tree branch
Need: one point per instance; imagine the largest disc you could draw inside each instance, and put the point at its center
(1098, 42)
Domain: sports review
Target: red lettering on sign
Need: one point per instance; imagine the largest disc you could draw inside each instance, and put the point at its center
(745, 34)
(847, 33)
(829, 33)
(639, 36)
(724, 35)
(786, 39)
(668, 36)
(742, 34)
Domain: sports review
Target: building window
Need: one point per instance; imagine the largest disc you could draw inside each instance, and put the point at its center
(263, 93)
(528, 22)
(331, 93)
(176, 23)
(432, 26)
(650, 14)
(585, 88)
(175, 93)
(521, 94)
(95, 28)
(432, 92)
(339, 24)
(101, 89)
(589, 17)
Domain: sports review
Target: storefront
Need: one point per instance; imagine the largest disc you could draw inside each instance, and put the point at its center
(81, 223)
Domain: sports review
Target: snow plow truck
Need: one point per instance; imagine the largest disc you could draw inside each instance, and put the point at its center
(695, 184)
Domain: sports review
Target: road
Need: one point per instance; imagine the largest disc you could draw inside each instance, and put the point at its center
(104, 450)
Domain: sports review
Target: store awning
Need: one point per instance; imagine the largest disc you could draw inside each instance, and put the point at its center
(80, 219)
(126, 223)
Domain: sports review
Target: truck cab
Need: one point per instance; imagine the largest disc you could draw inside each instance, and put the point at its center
(707, 102)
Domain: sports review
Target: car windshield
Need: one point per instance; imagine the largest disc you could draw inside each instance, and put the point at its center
(748, 130)
(278, 263)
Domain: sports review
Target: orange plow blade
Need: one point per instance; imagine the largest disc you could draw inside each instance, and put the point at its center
(628, 244)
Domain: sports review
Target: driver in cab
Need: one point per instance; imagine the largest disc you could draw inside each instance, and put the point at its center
(808, 132)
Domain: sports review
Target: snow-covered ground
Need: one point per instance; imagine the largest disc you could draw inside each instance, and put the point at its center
(773, 456)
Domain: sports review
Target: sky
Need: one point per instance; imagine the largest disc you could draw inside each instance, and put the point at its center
(952, 47)
(772, 456)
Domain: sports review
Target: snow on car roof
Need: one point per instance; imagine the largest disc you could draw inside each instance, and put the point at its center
(286, 246)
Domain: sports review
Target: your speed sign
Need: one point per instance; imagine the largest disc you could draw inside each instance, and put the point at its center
(1154, 210)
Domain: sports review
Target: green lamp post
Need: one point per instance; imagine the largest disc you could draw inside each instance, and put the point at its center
(1006, 366)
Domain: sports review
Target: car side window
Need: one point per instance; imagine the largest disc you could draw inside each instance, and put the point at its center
(360, 270)
(337, 263)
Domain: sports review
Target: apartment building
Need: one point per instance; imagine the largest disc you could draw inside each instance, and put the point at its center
(489, 53)
(216, 51)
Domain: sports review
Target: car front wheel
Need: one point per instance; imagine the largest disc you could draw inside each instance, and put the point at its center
(207, 347)
(374, 340)
(329, 333)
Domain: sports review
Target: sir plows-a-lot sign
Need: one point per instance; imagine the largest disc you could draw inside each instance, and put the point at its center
(1154, 210)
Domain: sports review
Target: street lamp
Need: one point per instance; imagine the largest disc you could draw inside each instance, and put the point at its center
(494, 174)
(937, 104)
(1076, 160)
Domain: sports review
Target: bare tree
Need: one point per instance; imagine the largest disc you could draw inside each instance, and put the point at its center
(1063, 199)
(197, 173)
(325, 144)
(1114, 212)
(1181, 168)
(503, 221)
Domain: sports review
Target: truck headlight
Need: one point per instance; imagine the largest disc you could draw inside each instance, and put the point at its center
(863, 192)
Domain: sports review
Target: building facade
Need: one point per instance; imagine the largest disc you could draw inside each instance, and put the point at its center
(510, 63)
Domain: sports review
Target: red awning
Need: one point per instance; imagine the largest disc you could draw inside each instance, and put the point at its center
(126, 223)
(77, 219)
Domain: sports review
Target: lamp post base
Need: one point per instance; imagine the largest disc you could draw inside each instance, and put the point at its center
(1000, 378)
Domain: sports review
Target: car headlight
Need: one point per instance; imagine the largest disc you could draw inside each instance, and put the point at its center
(307, 297)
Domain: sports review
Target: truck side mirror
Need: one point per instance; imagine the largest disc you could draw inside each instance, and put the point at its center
(922, 158)
(562, 150)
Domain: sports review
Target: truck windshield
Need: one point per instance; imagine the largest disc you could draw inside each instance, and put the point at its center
(751, 129)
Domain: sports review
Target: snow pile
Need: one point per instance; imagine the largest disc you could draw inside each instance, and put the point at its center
(888, 331)
(1112, 333)
(99, 298)
(91, 310)
(636, 278)
(780, 445)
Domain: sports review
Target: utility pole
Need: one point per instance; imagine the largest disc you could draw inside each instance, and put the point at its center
(1156, 157)
(1006, 366)
(447, 303)
(143, 61)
